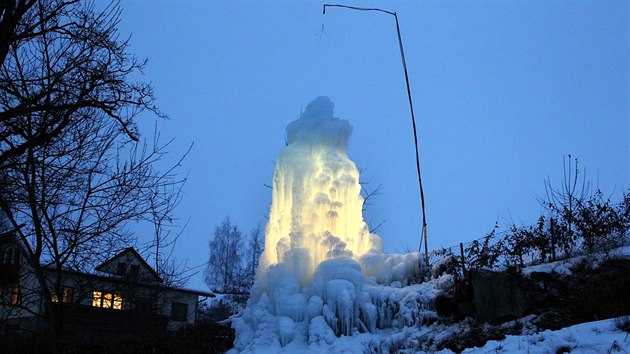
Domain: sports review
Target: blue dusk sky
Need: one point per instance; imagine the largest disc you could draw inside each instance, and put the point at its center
(502, 91)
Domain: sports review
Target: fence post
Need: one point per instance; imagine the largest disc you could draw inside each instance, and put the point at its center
(553, 238)
(461, 251)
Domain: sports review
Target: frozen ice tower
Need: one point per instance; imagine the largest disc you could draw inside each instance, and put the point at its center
(320, 272)
(316, 208)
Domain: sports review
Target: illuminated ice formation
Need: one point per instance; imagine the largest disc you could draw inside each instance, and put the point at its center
(322, 273)
(316, 207)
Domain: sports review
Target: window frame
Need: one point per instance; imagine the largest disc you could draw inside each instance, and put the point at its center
(107, 300)
(179, 312)
(67, 293)
(134, 269)
(16, 295)
(121, 268)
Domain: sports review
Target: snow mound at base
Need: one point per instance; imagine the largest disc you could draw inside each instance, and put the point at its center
(343, 300)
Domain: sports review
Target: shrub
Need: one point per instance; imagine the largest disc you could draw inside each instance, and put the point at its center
(623, 324)
(484, 254)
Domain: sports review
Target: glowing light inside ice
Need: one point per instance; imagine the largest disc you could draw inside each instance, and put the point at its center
(316, 206)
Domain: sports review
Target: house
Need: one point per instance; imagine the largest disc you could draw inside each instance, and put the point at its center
(122, 296)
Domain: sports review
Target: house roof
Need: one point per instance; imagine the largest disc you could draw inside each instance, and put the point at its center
(127, 281)
(191, 291)
(136, 255)
(9, 237)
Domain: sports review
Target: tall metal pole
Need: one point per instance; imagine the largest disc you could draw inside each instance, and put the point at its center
(413, 121)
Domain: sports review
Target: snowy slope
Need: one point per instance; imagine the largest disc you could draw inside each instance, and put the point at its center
(598, 337)
(406, 323)
(585, 338)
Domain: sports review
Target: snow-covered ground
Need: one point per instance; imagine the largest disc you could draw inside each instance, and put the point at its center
(564, 267)
(405, 322)
(598, 337)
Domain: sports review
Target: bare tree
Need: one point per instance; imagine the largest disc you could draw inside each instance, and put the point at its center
(75, 197)
(563, 203)
(162, 204)
(73, 171)
(255, 246)
(369, 194)
(224, 273)
(62, 61)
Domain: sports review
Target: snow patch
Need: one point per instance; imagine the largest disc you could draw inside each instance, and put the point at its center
(590, 337)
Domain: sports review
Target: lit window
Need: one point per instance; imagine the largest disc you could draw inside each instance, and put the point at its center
(96, 299)
(107, 300)
(117, 302)
(16, 295)
(66, 295)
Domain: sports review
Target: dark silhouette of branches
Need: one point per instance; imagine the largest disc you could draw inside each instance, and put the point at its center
(576, 221)
(224, 273)
(369, 195)
(73, 171)
(62, 62)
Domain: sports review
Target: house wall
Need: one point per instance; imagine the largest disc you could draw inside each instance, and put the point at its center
(33, 307)
(29, 292)
(131, 261)
(161, 298)
(25, 314)
(171, 296)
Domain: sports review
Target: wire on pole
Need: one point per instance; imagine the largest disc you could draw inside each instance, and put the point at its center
(413, 119)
